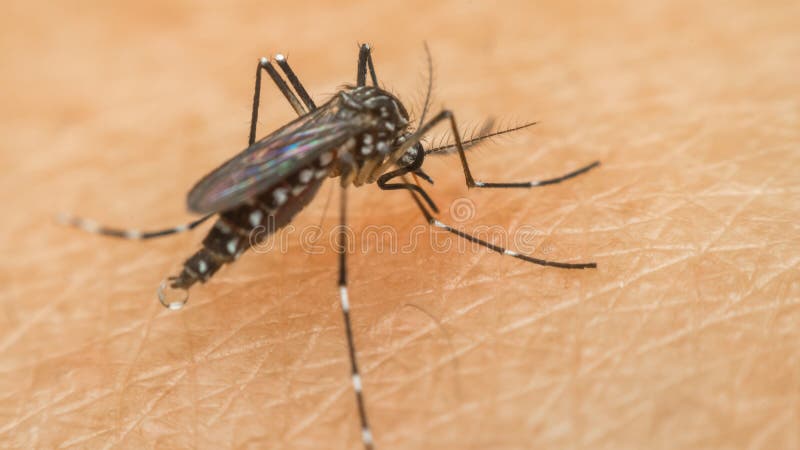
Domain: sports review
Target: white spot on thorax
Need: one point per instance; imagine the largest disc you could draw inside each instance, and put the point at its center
(202, 266)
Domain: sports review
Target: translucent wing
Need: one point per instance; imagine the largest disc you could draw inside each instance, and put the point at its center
(270, 160)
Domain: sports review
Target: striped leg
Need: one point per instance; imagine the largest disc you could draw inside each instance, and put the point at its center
(417, 191)
(503, 251)
(91, 226)
(263, 64)
(366, 432)
(296, 84)
(472, 183)
(364, 63)
(266, 65)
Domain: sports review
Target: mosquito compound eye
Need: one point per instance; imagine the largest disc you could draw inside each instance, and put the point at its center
(409, 156)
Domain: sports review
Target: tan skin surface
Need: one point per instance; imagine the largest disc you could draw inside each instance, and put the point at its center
(686, 336)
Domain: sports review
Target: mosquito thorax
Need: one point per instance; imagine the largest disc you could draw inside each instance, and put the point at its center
(386, 121)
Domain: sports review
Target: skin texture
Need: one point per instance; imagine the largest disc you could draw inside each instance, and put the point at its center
(686, 336)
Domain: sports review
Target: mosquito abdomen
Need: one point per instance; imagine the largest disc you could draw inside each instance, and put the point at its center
(237, 230)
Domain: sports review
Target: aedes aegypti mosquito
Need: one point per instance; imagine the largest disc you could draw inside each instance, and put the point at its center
(362, 135)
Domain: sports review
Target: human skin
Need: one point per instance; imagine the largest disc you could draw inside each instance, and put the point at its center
(685, 336)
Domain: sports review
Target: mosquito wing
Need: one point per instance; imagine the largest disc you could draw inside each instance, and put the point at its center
(270, 160)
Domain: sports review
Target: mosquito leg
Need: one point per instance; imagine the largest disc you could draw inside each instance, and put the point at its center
(417, 192)
(383, 183)
(372, 70)
(364, 63)
(266, 65)
(263, 64)
(472, 183)
(296, 84)
(414, 167)
(366, 432)
(93, 227)
(537, 183)
(503, 251)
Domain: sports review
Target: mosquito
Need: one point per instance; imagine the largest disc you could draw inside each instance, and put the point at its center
(363, 134)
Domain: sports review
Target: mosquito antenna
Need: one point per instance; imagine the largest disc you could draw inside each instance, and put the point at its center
(447, 148)
(486, 128)
(427, 104)
(470, 131)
